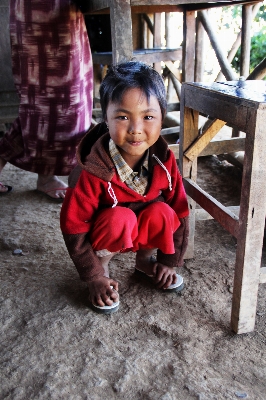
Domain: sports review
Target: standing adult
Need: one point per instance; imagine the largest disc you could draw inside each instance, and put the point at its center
(53, 73)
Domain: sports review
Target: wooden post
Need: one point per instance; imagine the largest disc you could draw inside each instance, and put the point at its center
(245, 40)
(251, 228)
(188, 47)
(170, 87)
(157, 37)
(188, 169)
(200, 46)
(122, 43)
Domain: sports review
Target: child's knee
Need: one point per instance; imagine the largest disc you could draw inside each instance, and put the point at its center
(118, 215)
(159, 210)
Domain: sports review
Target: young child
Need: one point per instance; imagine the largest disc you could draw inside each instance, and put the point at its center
(129, 195)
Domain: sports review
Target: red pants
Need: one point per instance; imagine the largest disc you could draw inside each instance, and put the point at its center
(119, 229)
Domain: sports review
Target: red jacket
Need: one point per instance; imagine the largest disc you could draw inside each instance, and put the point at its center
(99, 186)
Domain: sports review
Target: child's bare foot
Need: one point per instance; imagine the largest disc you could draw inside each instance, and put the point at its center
(144, 261)
(161, 275)
(104, 297)
(51, 186)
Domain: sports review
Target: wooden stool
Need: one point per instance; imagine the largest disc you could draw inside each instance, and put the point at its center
(243, 106)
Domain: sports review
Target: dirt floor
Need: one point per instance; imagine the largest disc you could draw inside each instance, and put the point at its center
(158, 346)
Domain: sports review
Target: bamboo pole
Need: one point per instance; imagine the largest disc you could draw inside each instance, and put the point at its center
(237, 42)
(245, 40)
(148, 22)
(224, 64)
(259, 72)
(199, 53)
(157, 39)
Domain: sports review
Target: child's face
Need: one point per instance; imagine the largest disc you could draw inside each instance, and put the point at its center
(134, 124)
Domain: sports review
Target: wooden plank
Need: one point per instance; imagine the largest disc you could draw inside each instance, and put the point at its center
(216, 147)
(146, 55)
(201, 142)
(217, 210)
(232, 109)
(185, 2)
(251, 227)
(203, 215)
(224, 146)
(153, 6)
(174, 70)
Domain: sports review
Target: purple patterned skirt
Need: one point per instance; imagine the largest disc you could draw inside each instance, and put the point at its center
(53, 73)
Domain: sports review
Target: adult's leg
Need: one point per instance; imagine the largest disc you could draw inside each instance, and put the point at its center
(51, 185)
(55, 95)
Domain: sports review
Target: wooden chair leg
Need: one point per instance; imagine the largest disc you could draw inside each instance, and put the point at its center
(251, 230)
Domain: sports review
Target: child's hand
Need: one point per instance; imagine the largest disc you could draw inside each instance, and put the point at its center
(163, 276)
(101, 293)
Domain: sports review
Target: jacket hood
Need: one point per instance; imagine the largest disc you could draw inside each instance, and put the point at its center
(93, 152)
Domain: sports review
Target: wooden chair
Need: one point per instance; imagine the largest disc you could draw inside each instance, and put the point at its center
(243, 106)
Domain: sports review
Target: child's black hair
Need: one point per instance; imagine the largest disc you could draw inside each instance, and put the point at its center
(132, 75)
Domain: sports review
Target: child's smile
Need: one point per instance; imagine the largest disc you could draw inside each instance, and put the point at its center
(134, 124)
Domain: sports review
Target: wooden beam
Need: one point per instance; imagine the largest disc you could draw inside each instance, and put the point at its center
(216, 147)
(157, 6)
(202, 141)
(217, 210)
(203, 215)
(173, 69)
(149, 56)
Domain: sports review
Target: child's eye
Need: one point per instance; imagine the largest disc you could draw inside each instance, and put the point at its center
(148, 117)
(122, 117)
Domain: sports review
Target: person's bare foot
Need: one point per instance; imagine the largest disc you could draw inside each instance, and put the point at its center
(3, 188)
(52, 186)
(144, 261)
